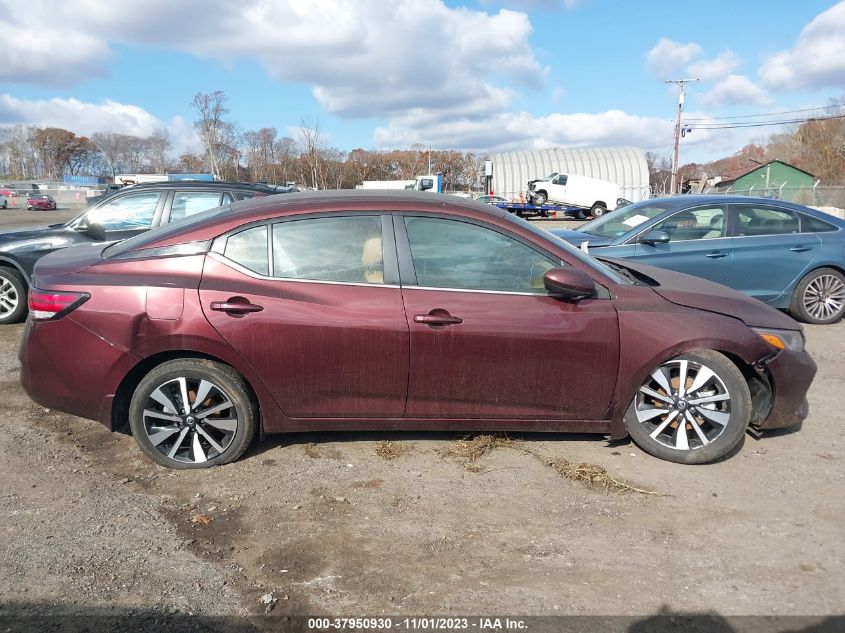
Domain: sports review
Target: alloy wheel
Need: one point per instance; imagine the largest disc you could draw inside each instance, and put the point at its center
(683, 405)
(9, 298)
(190, 420)
(824, 297)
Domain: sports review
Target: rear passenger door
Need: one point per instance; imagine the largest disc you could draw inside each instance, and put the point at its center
(770, 252)
(698, 245)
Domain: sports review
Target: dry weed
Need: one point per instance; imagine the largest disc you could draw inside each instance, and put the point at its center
(596, 476)
(389, 450)
(473, 449)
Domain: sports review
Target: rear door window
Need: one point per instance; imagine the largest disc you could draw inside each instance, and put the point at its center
(188, 203)
(340, 249)
(249, 249)
(752, 220)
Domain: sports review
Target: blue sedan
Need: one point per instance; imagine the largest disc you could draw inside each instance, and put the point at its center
(784, 254)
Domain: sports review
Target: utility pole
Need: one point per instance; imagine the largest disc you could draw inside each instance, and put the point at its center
(682, 85)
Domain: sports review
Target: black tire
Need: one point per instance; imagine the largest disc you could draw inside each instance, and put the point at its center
(540, 197)
(654, 432)
(598, 210)
(582, 215)
(5, 203)
(227, 387)
(13, 299)
(819, 298)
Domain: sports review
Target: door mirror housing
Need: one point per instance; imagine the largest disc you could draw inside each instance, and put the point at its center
(95, 231)
(569, 283)
(655, 237)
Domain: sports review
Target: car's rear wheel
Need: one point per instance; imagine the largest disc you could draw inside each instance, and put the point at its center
(597, 210)
(692, 409)
(819, 297)
(192, 413)
(12, 296)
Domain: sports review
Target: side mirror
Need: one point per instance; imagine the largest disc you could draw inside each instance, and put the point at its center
(655, 237)
(569, 283)
(95, 231)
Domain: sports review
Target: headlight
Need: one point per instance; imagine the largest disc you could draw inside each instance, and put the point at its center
(793, 340)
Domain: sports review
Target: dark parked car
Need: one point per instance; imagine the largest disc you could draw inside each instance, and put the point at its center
(40, 201)
(128, 212)
(379, 310)
(783, 254)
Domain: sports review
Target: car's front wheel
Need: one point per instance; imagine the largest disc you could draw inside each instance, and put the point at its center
(819, 298)
(540, 198)
(692, 409)
(12, 296)
(192, 413)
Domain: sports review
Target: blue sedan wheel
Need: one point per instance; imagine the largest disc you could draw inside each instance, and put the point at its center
(820, 297)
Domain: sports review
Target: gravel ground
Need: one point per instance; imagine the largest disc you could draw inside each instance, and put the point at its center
(325, 524)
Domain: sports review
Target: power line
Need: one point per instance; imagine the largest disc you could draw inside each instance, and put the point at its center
(751, 124)
(758, 116)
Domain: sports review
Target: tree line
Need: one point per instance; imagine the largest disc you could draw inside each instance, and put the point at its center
(229, 152)
(232, 153)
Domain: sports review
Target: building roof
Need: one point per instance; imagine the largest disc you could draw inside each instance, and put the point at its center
(735, 174)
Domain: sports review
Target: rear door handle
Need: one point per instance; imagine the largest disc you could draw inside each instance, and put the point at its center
(801, 249)
(233, 306)
(716, 255)
(437, 317)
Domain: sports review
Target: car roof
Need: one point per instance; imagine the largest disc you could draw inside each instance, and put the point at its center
(351, 200)
(200, 184)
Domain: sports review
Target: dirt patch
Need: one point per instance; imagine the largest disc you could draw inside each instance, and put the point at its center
(318, 451)
(596, 477)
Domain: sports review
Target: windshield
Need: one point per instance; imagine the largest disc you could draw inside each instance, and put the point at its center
(589, 260)
(140, 241)
(551, 175)
(623, 220)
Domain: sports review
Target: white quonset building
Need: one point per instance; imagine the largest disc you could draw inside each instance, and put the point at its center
(625, 166)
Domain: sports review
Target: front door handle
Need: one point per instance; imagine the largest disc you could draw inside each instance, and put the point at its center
(801, 249)
(716, 255)
(235, 306)
(437, 317)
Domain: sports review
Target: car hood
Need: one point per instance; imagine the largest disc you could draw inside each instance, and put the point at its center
(37, 232)
(577, 238)
(694, 292)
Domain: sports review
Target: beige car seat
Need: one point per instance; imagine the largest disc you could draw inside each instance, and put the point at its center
(372, 260)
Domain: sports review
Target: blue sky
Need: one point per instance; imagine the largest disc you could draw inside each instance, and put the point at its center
(480, 75)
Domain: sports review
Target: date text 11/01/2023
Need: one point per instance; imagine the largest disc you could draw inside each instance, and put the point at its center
(417, 624)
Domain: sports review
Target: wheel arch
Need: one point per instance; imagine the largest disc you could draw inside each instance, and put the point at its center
(759, 384)
(7, 262)
(127, 386)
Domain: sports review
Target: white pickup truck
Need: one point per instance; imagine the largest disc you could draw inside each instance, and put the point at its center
(577, 191)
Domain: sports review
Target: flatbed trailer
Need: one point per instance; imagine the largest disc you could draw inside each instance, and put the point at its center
(523, 209)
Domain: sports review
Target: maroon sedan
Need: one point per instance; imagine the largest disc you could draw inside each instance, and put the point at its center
(376, 310)
(40, 201)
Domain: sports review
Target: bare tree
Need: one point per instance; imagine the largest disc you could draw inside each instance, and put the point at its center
(158, 148)
(311, 143)
(211, 107)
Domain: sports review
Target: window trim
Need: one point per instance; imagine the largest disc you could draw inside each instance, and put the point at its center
(407, 272)
(388, 242)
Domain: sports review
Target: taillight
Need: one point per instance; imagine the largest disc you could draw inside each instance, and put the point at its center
(54, 304)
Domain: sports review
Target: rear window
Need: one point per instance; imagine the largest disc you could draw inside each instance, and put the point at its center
(141, 241)
(814, 225)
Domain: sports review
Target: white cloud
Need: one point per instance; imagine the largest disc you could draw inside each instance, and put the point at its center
(523, 130)
(364, 58)
(87, 118)
(668, 57)
(735, 90)
(818, 58)
(717, 68)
